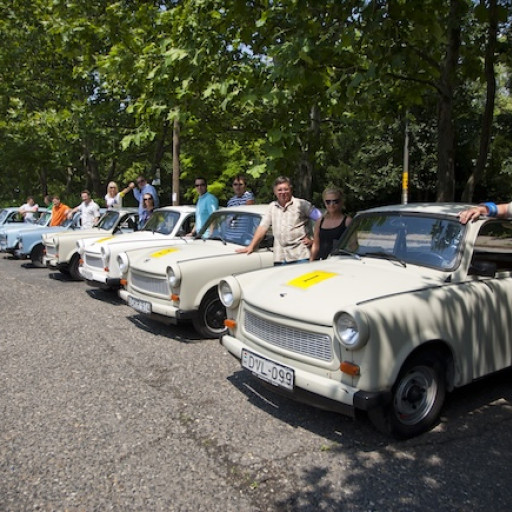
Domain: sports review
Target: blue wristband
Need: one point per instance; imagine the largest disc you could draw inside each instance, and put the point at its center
(493, 209)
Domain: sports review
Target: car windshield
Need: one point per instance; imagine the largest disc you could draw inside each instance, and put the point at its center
(416, 239)
(43, 219)
(3, 215)
(109, 220)
(162, 222)
(231, 227)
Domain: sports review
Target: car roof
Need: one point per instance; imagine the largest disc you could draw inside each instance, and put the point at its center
(449, 209)
(247, 208)
(185, 208)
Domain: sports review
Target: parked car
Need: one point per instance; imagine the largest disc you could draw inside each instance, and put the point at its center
(410, 305)
(10, 233)
(180, 282)
(11, 215)
(61, 251)
(99, 256)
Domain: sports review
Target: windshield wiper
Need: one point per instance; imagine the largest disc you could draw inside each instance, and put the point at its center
(385, 255)
(218, 238)
(344, 252)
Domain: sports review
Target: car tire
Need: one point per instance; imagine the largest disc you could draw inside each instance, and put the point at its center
(417, 398)
(209, 322)
(74, 263)
(36, 256)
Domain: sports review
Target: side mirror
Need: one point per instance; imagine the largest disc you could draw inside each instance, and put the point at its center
(482, 268)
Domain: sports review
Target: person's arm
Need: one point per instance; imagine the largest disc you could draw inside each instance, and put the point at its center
(489, 208)
(315, 247)
(125, 191)
(258, 236)
(71, 211)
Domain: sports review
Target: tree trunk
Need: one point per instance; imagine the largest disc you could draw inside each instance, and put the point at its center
(485, 136)
(306, 167)
(446, 132)
(176, 163)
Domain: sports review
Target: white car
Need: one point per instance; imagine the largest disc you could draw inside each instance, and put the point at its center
(168, 225)
(60, 249)
(412, 304)
(180, 282)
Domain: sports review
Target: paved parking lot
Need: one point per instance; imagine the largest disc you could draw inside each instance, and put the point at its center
(102, 409)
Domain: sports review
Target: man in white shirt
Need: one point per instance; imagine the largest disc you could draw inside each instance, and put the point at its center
(27, 210)
(89, 211)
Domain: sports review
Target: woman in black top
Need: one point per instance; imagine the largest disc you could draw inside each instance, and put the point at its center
(330, 227)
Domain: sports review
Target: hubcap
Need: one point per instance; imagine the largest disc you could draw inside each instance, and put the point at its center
(415, 395)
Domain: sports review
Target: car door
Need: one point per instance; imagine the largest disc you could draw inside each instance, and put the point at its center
(493, 298)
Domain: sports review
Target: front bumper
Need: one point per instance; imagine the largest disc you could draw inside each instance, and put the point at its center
(168, 313)
(50, 262)
(316, 390)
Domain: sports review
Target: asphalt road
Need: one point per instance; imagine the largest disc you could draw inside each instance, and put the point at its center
(102, 409)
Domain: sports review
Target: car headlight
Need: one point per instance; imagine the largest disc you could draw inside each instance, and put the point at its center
(105, 255)
(123, 262)
(229, 292)
(352, 331)
(55, 241)
(80, 247)
(174, 276)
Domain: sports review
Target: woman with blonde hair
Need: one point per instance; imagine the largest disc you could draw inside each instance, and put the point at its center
(114, 198)
(329, 227)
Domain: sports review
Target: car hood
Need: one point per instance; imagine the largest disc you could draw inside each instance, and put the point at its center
(21, 228)
(157, 260)
(127, 238)
(82, 233)
(318, 290)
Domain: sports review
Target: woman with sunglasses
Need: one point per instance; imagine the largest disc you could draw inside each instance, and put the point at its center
(114, 198)
(330, 227)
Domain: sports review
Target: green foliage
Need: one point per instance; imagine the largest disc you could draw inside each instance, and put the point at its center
(89, 92)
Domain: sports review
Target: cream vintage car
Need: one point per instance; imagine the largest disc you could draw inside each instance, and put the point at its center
(168, 225)
(60, 249)
(410, 305)
(180, 282)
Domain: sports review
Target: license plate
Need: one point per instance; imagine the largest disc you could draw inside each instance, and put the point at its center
(143, 306)
(268, 370)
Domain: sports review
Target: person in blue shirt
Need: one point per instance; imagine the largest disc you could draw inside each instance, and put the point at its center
(242, 195)
(206, 204)
(139, 190)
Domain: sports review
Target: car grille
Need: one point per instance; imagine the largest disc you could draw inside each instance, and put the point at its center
(145, 283)
(93, 261)
(303, 342)
(3, 241)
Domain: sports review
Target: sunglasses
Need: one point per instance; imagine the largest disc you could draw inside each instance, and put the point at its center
(331, 201)
(148, 199)
(200, 184)
(140, 181)
(238, 184)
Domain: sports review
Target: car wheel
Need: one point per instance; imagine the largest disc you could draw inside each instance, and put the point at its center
(417, 398)
(210, 319)
(36, 255)
(73, 267)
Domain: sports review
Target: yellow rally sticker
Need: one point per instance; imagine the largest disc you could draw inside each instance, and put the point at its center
(101, 240)
(163, 252)
(310, 279)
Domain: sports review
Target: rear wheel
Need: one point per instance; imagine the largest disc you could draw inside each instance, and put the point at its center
(73, 267)
(210, 319)
(36, 256)
(418, 396)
